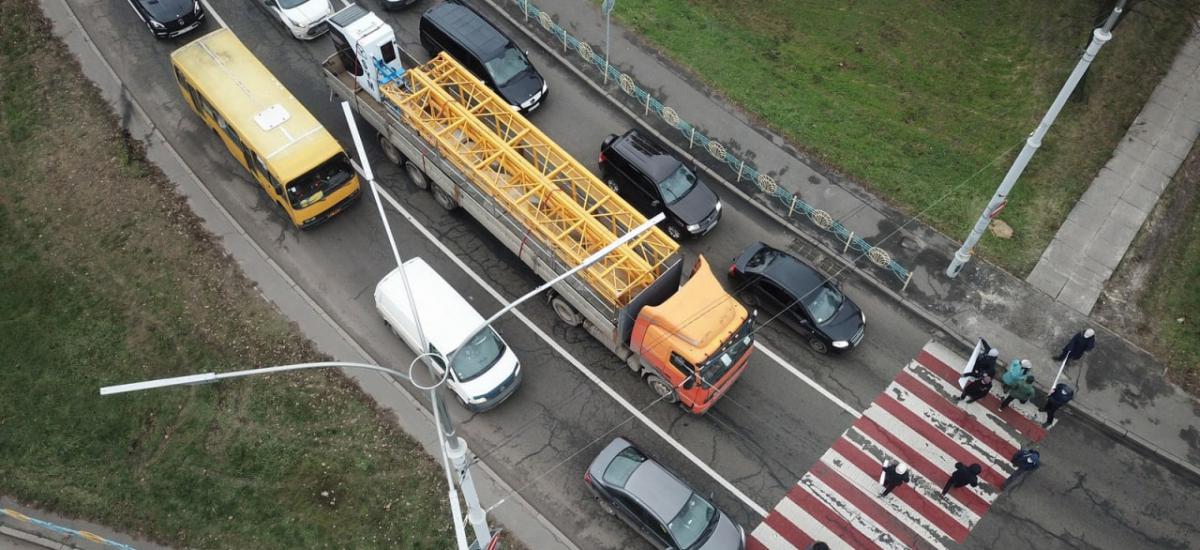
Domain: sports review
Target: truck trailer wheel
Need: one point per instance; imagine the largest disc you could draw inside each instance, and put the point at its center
(390, 151)
(444, 199)
(662, 388)
(416, 175)
(565, 311)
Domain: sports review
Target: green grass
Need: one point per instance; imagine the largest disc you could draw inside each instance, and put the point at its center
(1172, 293)
(913, 97)
(107, 278)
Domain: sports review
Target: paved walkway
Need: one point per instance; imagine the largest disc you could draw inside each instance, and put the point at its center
(1098, 231)
(1121, 387)
(22, 527)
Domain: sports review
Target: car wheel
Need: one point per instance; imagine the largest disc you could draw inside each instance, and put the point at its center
(390, 151)
(818, 345)
(749, 298)
(612, 184)
(565, 311)
(662, 388)
(674, 232)
(444, 199)
(416, 175)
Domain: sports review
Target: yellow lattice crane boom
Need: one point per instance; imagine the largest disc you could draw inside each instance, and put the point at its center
(546, 188)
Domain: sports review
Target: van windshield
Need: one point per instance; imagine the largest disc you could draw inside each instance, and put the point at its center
(479, 353)
(506, 66)
(320, 182)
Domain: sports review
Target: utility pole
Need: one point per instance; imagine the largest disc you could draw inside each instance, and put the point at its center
(1099, 37)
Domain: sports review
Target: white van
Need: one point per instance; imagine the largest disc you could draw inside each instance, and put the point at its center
(484, 371)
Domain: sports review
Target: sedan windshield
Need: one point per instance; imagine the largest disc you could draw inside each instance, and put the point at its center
(691, 523)
(507, 66)
(289, 4)
(823, 302)
(676, 185)
(318, 183)
(477, 355)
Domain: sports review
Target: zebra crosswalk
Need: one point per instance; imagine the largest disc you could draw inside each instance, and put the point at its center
(914, 420)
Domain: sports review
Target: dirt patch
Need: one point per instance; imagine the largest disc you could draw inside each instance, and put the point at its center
(1140, 299)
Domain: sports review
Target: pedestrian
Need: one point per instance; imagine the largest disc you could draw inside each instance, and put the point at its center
(962, 476)
(985, 364)
(976, 389)
(894, 475)
(1025, 460)
(1080, 343)
(1017, 370)
(1061, 395)
(818, 546)
(1022, 390)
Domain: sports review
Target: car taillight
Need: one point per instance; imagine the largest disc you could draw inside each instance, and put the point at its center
(602, 159)
(587, 477)
(732, 269)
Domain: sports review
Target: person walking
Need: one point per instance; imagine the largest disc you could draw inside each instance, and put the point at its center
(1017, 371)
(1080, 343)
(1061, 395)
(976, 389)
(1025, 460)
(894, 475)
(962, 476)
(985, 364)
(1022, 390)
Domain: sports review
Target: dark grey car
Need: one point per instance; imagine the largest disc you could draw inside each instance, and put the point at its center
(654, 501)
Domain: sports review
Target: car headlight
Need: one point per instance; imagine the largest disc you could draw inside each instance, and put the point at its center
(476, 400)
(694, 228)
(840, 344)
(157, 25)
(864, 317)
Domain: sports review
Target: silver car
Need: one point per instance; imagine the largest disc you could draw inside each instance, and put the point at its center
(654, 501)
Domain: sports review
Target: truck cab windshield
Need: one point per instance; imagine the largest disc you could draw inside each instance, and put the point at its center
(319, 182)
(716, 366)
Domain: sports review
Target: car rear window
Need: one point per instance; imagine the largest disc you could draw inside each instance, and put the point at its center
(622, 466)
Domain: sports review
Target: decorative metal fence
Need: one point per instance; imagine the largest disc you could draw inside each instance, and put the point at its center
(695, 138)
(64, 530)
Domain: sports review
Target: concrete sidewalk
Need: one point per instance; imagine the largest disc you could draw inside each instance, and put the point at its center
(24, 527)
(1096, 234)
(1121, 386)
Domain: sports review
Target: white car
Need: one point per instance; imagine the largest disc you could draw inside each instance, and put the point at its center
(483, 371)
(305, 19)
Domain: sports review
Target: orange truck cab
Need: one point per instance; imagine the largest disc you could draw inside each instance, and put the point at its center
(697, 341)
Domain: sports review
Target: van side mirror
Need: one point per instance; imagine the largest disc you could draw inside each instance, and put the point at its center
(689, 382)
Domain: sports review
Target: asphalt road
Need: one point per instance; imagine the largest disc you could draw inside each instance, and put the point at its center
(1093, 491)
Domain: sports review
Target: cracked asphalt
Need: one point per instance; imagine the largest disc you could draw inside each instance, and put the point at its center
(1092, 492)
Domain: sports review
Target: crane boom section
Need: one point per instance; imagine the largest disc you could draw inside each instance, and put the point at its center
(574, 230)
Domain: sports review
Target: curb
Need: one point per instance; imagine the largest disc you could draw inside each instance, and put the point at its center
(1170, 460)
(31, 538)
(247, 251)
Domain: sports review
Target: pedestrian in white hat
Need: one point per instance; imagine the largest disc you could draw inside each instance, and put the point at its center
(894, 475)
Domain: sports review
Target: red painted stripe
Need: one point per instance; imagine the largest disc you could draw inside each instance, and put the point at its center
(937, 438)
(788, 530)
(960, 417)
(1029, 428)
(831, 519)
(866, 503)
(918, 462)
(753, 544)
(915, 500)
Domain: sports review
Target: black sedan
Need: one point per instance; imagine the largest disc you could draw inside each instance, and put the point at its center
(169, 18)
(796, 294)
(657, 504)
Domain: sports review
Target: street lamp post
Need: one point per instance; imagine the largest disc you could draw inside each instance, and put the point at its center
(1000, 198)
(607, 7)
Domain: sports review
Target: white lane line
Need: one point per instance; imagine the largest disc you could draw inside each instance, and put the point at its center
(216, 17)
(812, 383)
(575, 362)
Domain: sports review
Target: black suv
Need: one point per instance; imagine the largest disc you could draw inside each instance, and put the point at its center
(457, 29)
(169, 18)
(643, 172)
(798, 295)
